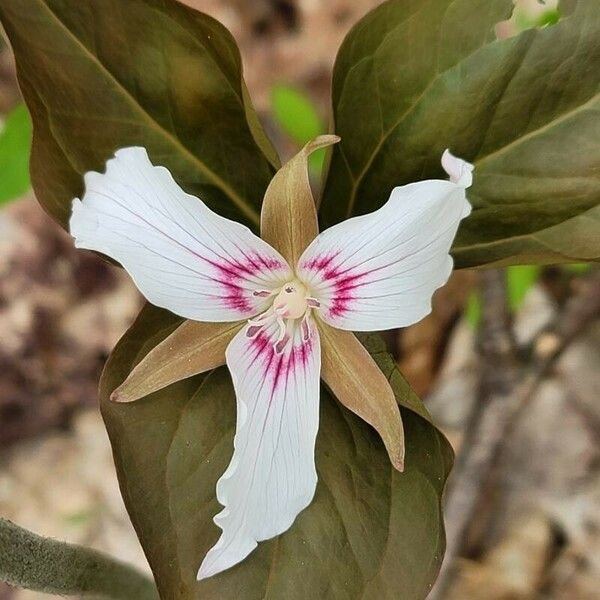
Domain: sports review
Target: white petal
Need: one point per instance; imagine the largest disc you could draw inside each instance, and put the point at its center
(459, 170)
(181, 255)
(272, 475)
(379, 271)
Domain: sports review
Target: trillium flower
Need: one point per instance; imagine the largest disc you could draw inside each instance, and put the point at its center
(278, 310)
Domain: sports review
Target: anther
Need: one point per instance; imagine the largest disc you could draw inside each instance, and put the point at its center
(262, 293)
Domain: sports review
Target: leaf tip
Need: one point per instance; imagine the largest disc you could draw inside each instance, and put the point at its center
(120, 396)
(321, 141)
(398, 460)
(328, 139)
(115, 396)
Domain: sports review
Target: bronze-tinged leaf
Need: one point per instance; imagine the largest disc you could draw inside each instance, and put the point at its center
(358, 383)
(193, 348)
(102, 75)
(289, 215)
(413, 78)
(370, 532)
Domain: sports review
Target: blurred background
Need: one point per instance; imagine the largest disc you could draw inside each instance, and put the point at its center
(508, 362)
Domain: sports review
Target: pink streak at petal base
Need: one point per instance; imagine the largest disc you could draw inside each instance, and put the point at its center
(278, 366)
(233, 272)
(319, 263)
(343, 281)
(344, 286)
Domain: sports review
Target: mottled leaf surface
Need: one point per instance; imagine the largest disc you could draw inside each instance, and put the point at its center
(417, 76)
(102, 75)
(371, 532)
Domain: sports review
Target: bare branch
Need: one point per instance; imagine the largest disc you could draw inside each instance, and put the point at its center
(495, 402)
(505, 388)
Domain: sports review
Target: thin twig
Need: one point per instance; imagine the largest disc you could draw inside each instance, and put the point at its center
(505, 390)
(580, 310)
(487, 421)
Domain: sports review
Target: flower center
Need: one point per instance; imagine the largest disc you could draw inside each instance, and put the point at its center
(292, 300)
(291, 303)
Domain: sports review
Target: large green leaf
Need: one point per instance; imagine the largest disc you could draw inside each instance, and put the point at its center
(417, 76)
(371, 532)
(101, 75)
(36, 563)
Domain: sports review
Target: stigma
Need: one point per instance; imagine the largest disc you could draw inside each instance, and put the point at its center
(292, 301)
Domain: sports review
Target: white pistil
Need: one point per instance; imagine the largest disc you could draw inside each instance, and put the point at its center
(282, 328)
(262, 319)
(291, 302)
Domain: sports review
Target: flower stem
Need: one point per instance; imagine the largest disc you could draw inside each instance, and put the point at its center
(33, 562)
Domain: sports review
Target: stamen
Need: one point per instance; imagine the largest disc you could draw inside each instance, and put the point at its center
(264, 293)
(281, 311)
(261, 319)
(305, 327)
(253, 330)
(290, 303)
(281, 344)
(284, 335)
(282, 328)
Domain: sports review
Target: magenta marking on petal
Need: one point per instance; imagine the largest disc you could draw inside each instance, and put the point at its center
(261, 343)
(232, 273)
(344, 285)
(278, 370)
(235, 297)
(319, 263)
(304, 351)
(342, 295)
(239, 304)
(342, 281)
(281, 344)
(252, 263)
(277, 360)
(264, 352)
(270, 263)
(230, 269)
(278, 367)
(305, 330)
